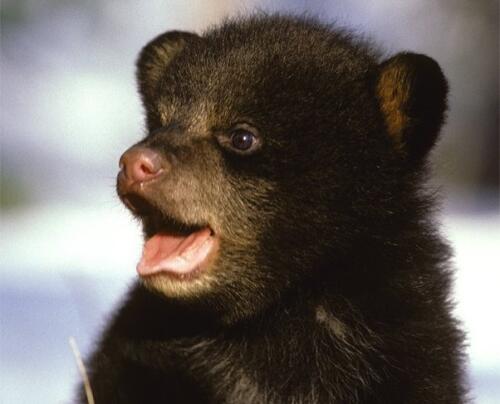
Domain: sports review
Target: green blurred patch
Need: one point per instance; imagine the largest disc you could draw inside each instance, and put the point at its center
(13, 194)
(17, 12)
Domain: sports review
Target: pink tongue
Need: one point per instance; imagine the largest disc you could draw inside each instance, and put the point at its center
(173, 253)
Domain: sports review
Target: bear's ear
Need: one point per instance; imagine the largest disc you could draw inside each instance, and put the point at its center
(156, 56)
(412, 93)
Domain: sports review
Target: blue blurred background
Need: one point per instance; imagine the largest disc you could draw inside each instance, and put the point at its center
(69, 108)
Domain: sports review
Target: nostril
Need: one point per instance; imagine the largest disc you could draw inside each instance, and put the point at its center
(141, 164)
(147, 167)
(144, 169)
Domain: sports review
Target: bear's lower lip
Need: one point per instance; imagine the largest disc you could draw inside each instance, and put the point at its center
(180, 256)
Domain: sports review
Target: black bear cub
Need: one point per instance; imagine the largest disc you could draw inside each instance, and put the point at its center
(289, 254)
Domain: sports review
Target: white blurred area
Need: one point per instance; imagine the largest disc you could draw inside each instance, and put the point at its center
(69, 108)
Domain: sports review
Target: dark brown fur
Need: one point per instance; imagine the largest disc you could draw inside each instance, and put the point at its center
(332, 284)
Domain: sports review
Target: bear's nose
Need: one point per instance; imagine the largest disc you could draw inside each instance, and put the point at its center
(140, 164)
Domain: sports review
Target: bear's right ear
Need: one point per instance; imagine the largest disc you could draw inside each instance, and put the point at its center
(412, 93)
(156, 56)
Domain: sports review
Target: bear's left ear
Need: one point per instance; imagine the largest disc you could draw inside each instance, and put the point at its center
(412, 93)
(156, 56)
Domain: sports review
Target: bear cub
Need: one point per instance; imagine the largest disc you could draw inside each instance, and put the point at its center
(290, 255)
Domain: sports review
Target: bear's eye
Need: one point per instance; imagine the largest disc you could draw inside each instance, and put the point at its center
(242, 139)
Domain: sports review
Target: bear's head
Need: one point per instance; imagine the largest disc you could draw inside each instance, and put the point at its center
(277, 151)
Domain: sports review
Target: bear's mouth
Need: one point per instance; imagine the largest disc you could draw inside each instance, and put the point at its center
(171, 248)
(179, 256)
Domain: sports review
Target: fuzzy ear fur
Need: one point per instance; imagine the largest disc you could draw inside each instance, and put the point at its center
(155, 57)
(412, 92)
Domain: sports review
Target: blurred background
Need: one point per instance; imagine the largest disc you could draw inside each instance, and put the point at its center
(69, 107)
